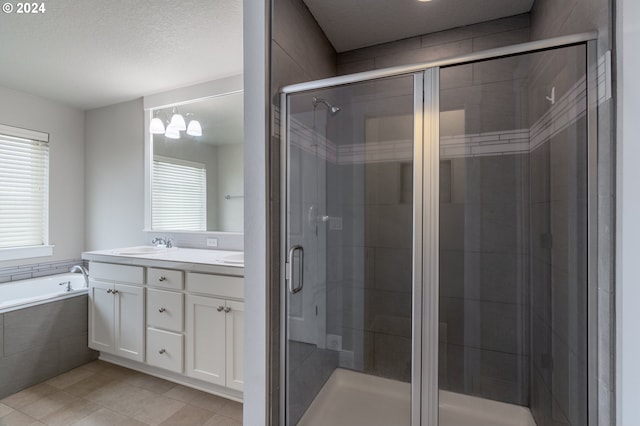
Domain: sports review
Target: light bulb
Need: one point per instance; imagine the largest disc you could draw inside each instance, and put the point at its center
(172, 132)
(177, 121)
(194, 128)
(156, 126)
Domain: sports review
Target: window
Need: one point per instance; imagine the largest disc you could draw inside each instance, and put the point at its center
(24, 193)
(179, 195)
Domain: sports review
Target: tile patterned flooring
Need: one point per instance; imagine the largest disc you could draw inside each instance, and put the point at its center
(100, 393)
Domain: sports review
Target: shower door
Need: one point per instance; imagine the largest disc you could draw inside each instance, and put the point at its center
(353, 186)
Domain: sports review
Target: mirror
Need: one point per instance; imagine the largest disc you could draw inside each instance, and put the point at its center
(196, 170)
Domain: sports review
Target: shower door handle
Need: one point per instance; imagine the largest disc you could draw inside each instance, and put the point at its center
(291, 261)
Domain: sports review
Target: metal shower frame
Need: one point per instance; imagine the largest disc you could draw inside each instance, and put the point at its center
(424, 383)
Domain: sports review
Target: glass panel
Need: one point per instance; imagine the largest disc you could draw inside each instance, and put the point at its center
(350, 207)
(513, 216)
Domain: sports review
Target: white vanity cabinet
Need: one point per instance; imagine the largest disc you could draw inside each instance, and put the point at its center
(116, 310)
(215, 324)
(171, 321)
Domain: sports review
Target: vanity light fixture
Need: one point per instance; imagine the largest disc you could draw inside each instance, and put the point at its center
(177, 120)
(174, 126)
(194, 128)
(172, 133)
(157, 126)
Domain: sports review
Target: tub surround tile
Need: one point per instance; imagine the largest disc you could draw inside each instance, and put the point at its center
(32, 327)
(22, 272)
(26, 368)
(2, 335)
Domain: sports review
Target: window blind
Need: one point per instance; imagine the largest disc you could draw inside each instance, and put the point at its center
(179, 195)
(24, 188)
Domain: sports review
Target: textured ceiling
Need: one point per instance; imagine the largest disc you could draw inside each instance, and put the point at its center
(352, 24)
(92, 53)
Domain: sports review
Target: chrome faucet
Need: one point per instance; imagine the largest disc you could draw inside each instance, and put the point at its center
(81, 269)
(159, 242)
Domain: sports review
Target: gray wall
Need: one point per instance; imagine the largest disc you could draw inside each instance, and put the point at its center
(628, 210)
(114, 176)
(65, 126)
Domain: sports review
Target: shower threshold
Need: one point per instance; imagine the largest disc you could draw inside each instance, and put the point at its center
(350, 398)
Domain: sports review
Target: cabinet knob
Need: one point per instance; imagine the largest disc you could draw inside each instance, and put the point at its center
(227, 310)
(161, 310)
(220, 308)
(109, 291)
(161, 351)
(163, 278)
(115, 292)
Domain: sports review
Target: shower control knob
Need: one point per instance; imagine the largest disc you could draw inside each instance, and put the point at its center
(161, 351)
(161, 310)
(220, 308)
(163, 278)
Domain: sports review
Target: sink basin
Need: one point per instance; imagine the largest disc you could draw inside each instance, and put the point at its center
(234, 259)
(141, 250)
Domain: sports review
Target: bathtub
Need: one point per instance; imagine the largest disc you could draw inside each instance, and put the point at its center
(31, 292)
(43, 330)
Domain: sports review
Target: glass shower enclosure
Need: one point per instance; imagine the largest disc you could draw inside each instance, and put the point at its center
(435, 244)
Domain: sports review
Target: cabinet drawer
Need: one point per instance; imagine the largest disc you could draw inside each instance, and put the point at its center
(166, 278)
(216, 285)
(119, 273)
(165, 309)
(165, 349)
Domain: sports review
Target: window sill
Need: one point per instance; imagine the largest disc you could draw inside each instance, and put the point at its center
(14, 253)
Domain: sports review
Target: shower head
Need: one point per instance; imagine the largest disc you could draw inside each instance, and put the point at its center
(333, 110)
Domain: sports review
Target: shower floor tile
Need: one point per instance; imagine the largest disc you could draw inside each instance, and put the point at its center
(355, 399)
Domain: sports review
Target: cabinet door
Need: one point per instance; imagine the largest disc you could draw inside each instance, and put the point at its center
(129, 321)
(101, 302)
(206, 339)
(235, 344)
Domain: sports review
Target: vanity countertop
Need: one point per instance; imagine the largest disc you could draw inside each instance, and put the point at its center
(194, 260)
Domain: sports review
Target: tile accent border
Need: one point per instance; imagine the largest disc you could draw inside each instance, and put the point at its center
(35, 270)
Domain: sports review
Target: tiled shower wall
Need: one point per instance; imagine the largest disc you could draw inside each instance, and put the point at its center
(440, 45)
(559, 285)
